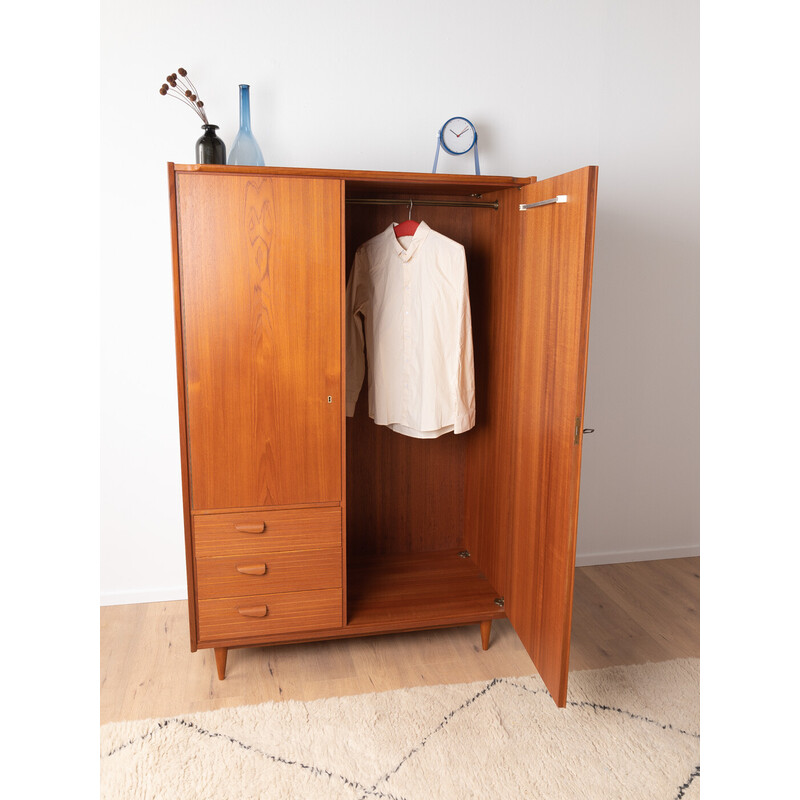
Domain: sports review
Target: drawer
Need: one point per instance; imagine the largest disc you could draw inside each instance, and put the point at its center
(266, 614)
(297, 570)
(254, 532)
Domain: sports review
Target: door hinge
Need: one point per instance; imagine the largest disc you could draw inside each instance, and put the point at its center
(500, 601)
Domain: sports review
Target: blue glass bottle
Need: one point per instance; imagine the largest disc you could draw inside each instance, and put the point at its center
(245, 148)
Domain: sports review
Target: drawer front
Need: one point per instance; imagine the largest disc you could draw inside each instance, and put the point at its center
(259, 573)
(265, 614)
(258, 532)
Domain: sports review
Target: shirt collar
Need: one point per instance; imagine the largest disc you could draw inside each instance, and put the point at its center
(414, 245)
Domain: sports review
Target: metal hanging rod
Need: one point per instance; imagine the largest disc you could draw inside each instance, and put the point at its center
(380, 201)
(561, 198)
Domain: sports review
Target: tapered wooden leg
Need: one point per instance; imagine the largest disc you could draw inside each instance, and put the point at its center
(221, 655)
(486, 629)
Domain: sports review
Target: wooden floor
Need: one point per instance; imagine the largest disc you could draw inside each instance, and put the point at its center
(623, 614)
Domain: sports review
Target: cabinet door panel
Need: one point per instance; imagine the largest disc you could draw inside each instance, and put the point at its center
(260, 262)
(557, 243)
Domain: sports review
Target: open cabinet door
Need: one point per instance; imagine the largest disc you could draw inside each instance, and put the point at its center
(555, 278)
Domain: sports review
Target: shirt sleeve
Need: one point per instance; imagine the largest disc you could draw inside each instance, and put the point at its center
(465, 368)
(355, 298)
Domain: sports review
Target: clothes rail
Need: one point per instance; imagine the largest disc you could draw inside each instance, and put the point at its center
(380, 201)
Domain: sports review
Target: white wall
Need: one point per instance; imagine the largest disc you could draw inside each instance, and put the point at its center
(359, 84)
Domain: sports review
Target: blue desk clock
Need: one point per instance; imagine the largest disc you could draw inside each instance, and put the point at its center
(457, 137)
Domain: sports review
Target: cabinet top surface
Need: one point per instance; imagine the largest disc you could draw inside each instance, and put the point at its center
(360, 181)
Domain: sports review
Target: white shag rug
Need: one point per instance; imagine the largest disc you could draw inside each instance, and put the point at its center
(630, 733)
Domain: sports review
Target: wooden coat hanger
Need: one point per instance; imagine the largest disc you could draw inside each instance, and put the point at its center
(409, 227)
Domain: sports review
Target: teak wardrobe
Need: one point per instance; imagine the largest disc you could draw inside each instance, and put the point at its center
(303, 525)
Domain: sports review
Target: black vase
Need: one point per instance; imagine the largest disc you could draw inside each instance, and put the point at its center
(210, 149)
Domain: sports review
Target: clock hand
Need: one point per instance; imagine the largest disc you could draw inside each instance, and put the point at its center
(464, 131)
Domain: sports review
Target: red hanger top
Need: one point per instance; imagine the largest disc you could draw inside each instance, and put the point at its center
(407, 228)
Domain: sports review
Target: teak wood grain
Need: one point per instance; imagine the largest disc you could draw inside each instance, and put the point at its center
(490, 481)
(183, 433)
(388, 593)
(372, 182)
(220, 619)
(236, 576)
(553, 318)
(414, 590)
(260, 274)
(281, 529)
(221, 658)
(260, 258)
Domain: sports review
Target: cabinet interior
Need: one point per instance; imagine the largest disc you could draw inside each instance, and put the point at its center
(415, 506)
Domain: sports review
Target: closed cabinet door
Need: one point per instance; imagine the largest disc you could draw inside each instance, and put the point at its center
(260, 280)
(555, 278)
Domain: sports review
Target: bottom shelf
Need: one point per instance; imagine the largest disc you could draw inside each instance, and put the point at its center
(417, 590)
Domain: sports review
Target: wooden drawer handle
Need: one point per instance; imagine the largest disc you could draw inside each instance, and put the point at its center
(256, 527)
(252, 611)
(252, 569)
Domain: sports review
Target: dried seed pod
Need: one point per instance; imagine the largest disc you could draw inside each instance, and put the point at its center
(185, 92)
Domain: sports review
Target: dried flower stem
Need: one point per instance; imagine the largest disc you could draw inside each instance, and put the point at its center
(177, 88)
(180, 96)
(191, 85)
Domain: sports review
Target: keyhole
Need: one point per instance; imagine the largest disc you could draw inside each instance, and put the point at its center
(330, 399)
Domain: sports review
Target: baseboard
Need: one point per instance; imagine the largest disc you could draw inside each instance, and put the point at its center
(143, 596)
(623, 556)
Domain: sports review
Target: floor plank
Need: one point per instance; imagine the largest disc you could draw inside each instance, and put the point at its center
(622, 614)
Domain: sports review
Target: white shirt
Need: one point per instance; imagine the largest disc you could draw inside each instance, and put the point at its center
(409, 301)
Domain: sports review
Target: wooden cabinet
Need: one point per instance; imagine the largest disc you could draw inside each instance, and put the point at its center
(303, 525)
(260, 268)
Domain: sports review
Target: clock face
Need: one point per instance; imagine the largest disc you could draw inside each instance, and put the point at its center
(458, 136)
